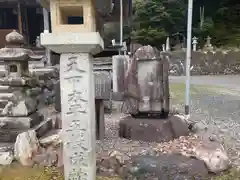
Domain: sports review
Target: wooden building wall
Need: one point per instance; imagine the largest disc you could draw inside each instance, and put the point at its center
(15, 15)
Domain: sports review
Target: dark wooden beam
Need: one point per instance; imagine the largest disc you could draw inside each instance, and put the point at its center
(24, 2)
(20, 27)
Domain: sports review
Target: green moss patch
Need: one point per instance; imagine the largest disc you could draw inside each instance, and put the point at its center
(17, 172)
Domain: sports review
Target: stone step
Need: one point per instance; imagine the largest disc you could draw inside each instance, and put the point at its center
(8, 89)
(6, 96)
(41, 71)
(32, 64)
(22, 123)
(10, 135)
(39, 51)
(6, 147)
(38, 64)
(36, 68)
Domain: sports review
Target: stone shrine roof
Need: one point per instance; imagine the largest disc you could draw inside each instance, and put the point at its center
(147, 53)
(14, 51)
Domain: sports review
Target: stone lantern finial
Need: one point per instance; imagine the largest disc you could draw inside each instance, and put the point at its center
(14, 38)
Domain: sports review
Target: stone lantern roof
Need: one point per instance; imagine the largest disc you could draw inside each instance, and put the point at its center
(14, 51)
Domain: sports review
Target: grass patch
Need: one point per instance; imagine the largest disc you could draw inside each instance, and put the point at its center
(17, 172)
(177, 91)
(231, 175)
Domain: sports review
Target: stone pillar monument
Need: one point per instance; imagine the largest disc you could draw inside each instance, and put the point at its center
(74, 36)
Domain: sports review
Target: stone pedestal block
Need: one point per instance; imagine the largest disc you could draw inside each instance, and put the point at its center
(152, 130)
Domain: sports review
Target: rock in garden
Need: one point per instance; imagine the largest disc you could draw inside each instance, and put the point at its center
(179, 125)
(25, 147)
(214, 156)
(201, 147)
(199, 127)
(52, 138)
(121, 157)
(166, 167)
(46, 157)
(108, 165)
(6, 158)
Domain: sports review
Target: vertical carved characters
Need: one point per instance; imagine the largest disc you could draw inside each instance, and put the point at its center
(72, 65)
(75, 99)
(77, 175)
(75, 102)
(77, 149)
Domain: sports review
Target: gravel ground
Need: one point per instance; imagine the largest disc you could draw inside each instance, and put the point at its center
(219, 112)
(112, 142)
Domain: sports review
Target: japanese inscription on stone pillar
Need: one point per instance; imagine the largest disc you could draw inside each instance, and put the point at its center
(77, 129)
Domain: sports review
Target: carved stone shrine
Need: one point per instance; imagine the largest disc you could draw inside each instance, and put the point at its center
(75, 37)
(142, 84)
(18, 91)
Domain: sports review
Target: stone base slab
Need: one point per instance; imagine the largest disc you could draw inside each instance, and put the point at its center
(10, 135)
(21, 122)
(150, 130)
(9, 89)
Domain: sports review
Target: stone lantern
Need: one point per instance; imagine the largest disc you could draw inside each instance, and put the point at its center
(18, 95)
(76, 38)
(16, 59)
